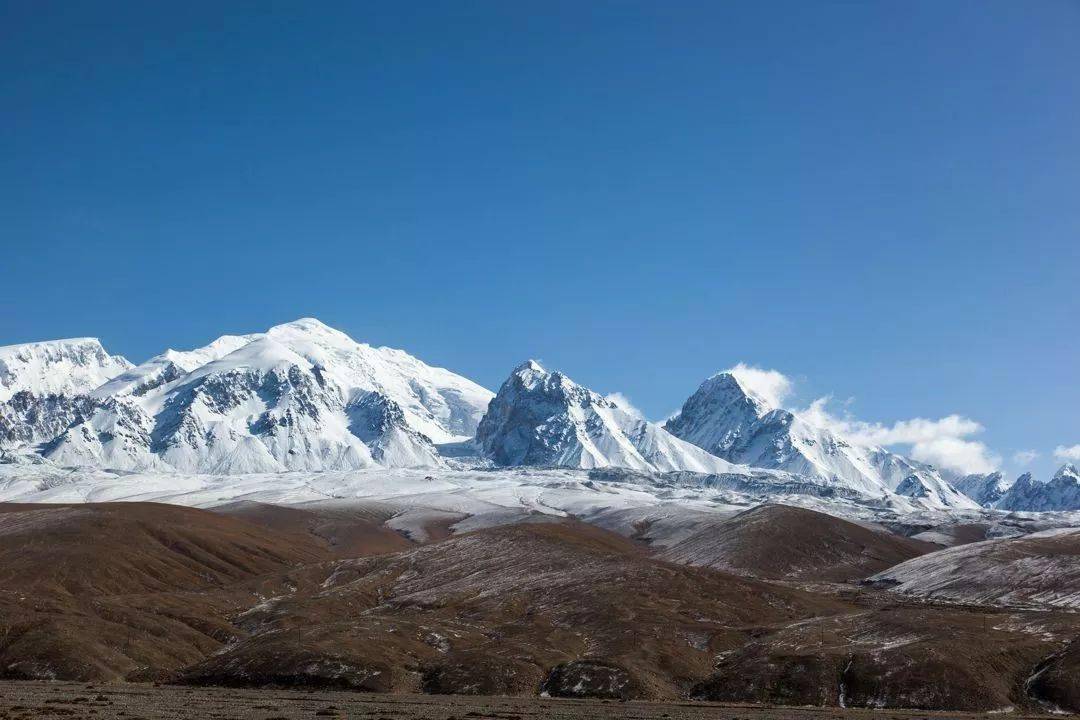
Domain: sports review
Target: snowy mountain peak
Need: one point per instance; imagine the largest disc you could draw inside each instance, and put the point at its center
(728, 382)
(72, 366)
(530, 374)
(529, 368)
(545, 418)
(312, 329)
(1067, 471)
(717, 415)
(929, 487)
(306, 324)
(169, 366)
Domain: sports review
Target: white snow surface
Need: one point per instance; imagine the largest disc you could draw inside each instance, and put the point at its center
(661, 508)
(68, 367)
(169, 365)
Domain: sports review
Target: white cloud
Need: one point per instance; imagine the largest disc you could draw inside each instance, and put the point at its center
(914, 431)
(624, 402)
(1025, 457)
(956, 454)
(944, 443)
(1067, 453)
(772, 386)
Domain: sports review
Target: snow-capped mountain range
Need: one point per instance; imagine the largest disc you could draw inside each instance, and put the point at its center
(305, 397)
(1026, 494)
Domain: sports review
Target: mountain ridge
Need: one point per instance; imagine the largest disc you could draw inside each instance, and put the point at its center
(286, 399)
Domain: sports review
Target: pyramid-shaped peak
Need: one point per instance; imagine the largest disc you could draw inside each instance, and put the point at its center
(530, 366)
(1068, 470)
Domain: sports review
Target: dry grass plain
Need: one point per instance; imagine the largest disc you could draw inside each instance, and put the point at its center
(131, 701)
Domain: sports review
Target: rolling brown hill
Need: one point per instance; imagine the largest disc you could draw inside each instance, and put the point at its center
(1040, 570)
(152, 592)
(127, 590)
(559, 605)
(343, 532)
(780, 542)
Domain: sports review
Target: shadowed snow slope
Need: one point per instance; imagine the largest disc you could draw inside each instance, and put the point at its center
(545, 418)
(1037, 570)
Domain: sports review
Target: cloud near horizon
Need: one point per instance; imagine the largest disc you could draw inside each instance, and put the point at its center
(1067, 453)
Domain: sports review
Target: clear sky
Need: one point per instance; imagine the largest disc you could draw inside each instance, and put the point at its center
(881, 200)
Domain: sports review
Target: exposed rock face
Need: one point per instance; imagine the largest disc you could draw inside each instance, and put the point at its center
(1061, 493)
(27, 419)
(380, 423)
(1055, 683)
(590, 679)
(985, 489)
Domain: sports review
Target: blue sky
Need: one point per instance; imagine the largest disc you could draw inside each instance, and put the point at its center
(880, 200)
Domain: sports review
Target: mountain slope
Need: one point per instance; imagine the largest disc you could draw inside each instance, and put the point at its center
(985, 489)
(68, 367)
(1037, 570)
(27, 419)
(544, 418)
(728, 419)
(780, 542)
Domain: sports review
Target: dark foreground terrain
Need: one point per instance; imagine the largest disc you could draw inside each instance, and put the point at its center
(768, 609)
(78, 701)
